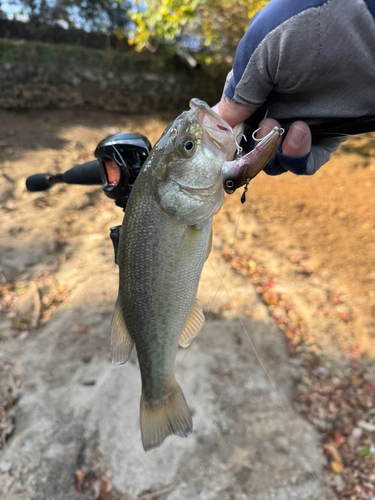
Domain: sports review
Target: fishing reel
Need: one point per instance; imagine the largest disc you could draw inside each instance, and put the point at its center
(119, 159)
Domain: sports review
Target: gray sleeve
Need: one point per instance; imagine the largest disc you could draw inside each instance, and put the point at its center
(314, 62)
(282, 62)
(318, 63)
(320, 153)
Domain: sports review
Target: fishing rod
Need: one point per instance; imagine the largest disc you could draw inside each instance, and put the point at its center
(120, 157)
(321, 128)
(337, 128)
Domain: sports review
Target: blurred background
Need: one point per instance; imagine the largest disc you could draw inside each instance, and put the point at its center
(298, 261)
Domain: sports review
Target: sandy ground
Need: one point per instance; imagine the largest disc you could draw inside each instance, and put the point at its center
(327, 222)
(316, 236)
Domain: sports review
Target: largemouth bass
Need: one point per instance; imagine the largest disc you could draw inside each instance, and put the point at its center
(165, 238)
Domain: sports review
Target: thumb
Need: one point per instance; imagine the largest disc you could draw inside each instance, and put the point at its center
(233, 112)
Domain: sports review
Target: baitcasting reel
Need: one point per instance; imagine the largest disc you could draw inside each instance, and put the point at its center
(120, 158)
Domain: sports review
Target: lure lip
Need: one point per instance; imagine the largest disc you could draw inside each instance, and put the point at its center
(242, 170)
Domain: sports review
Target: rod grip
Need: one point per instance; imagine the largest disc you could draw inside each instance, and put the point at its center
(86, 174)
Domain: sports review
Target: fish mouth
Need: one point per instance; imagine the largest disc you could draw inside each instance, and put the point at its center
(218, 132)
(207, 117)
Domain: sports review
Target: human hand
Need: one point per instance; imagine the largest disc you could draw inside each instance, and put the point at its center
(297, 142)
(290, 62)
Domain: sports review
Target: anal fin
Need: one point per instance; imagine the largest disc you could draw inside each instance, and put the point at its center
(121, 342)
(193, 325)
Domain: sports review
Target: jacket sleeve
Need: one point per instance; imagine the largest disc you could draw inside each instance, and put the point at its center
(305, 165)
(279, 51)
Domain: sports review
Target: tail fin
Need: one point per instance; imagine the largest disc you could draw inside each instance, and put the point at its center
(170, 417)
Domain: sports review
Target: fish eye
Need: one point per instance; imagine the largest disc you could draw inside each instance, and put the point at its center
(187, 146)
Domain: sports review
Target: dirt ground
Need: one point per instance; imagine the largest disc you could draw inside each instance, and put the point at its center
(304, 241)
(317, 235)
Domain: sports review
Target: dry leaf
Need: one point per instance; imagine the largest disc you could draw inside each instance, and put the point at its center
(333, 451)
(337, 467)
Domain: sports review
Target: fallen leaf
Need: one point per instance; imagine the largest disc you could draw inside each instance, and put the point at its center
(368, 426)
(365, 452)
(332, 450)
(337, 467)
(338, 437)
(306, 380)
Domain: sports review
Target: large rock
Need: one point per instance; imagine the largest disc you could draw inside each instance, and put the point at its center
(248, 442)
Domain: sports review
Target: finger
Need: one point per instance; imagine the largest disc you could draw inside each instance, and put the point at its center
(233, 112)
(298, 140)
(265, 127)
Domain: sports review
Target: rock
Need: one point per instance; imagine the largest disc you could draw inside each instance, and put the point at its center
(6, 328)
(282, 444)
(5, 466)
(48, 290)
(67, 416)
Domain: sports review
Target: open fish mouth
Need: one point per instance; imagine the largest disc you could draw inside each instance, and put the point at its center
(217, 130)
(207, 117)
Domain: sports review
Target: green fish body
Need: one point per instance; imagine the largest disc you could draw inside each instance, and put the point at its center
(165, 239)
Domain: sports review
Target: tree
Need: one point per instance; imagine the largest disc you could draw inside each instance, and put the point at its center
(209, 24)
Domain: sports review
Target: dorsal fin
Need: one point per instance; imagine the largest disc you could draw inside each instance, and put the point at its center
(121, 342)
(193, 325)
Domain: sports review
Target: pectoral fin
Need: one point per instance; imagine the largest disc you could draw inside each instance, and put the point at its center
(121, 342)
(193, 325)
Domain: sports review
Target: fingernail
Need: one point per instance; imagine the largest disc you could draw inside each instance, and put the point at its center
(263, 131)
(296, 136)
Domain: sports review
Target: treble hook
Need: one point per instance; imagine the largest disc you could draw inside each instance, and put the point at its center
(239, 148)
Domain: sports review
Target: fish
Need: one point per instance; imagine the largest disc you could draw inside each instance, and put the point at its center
(165, 238)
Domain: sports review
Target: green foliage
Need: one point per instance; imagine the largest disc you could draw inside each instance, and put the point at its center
(163, 21)
(212, 24)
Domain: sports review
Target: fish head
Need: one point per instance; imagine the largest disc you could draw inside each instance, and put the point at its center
(189, 157)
